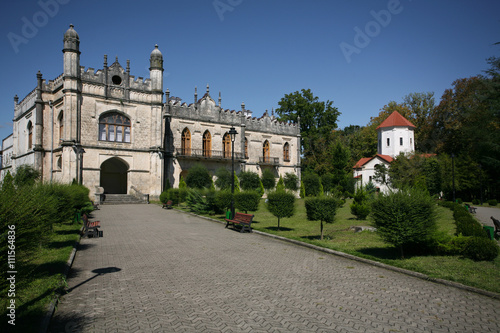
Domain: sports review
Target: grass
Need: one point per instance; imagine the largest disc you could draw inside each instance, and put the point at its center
(39, 277)
(367, 244)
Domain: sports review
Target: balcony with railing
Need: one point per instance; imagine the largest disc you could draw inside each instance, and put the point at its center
(207, 154)
(267, 160)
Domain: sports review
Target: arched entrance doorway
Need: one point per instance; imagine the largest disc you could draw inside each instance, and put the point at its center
(114, 176)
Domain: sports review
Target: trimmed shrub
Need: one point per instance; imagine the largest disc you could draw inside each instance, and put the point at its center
(223, 200)
(26, 175)
(302, 192)
(321, 209)
(312, 184)
(481, 249)
(164, 197)
(198, 177)
(182, 183)
(360, 206)
(268, 179)
(291, 181)
(476, 202)
(249, 180)
(492, 202)
(201, 201)
(328, 182)
(247, 201)
(404, 218)
(466, 224)
(360, 209)
(281, 204)
(223, 180)
(459, 201)
(281, 185)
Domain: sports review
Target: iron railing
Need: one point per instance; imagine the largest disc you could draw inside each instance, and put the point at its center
(208, 154)
(267, 160)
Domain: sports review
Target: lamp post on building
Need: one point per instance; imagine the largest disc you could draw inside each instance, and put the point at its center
(232, 134)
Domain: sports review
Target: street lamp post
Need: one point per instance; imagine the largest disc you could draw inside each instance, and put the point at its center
(232, 134)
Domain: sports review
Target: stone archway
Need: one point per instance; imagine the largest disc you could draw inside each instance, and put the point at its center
(114, 176)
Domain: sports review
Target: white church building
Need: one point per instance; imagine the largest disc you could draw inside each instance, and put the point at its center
(395, 136)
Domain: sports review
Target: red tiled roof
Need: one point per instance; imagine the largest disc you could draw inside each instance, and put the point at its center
(365, 160)
(395, 120)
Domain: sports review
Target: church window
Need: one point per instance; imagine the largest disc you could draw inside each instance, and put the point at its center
(207, 144)
(30, 135)
(59, 163)
(286, 152)
(226, 143)
(186, 142)
(246, 148)
(61, 126)
(114, 127)
(266, 152)
(400, 141)
(388, 142)
(411, 141)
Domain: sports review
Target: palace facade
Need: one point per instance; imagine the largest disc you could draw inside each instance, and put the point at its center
(115, 133)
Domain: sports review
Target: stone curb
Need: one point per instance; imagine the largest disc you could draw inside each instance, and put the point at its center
(366, 261)
(52, 306)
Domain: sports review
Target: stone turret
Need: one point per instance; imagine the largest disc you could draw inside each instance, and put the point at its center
(156, 70)
(71, 52)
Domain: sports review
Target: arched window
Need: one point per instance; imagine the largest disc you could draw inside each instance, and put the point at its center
(286, 152)
(30, 135)
(61, 126)
(207, 144)
(114, 127)
(266, 152)
(226, 143)
(186, 142)
(59, 163)
(246, 148)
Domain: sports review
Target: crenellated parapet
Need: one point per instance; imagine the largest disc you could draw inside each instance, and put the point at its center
(205, 109)
(25, 105)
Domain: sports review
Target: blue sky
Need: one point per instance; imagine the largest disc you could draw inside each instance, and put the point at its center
(358, 54)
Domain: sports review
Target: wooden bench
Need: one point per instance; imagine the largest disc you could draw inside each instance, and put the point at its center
(497, 226)
(243, 220)
(470, 209)
(96, 206)
(91, 227)
(167, 205)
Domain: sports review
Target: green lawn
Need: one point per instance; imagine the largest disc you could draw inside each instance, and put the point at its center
(38, 277)
(367, 244)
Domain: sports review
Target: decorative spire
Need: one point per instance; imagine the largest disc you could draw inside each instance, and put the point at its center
(208, 89)
(128, 66)
(243, 106)
(220, 99)
(105, 60)
(195, 94)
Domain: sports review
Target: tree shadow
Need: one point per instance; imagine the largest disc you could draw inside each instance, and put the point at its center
(97, 272)
(66, 232)
(382, 252)
(67, 322)
(314, 237)
(279, 229)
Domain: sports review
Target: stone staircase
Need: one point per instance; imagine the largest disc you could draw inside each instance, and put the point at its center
(121, 199)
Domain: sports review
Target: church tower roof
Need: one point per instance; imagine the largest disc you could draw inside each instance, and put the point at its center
(71, 39)
(396, 120)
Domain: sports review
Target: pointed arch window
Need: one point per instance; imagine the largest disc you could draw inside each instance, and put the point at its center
(207, 144)
(246, 148)
(186, 142)
(30, 135)
(266, 152)
(61, 126)
(286, 152)
(226, 144)
(114, 127)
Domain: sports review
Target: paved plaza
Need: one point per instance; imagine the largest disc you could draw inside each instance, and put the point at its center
(158, 270)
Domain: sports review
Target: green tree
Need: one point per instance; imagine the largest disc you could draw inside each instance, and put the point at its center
(223, 181)
(26, 175)
(321, 209)
(291, 181)
(404, 218)
(249, 180)
(281, 184)
(247, 201)
(312, 184)
(198, 177)
(360, 206)
(281, 204)
(182, 183)
(268, 179)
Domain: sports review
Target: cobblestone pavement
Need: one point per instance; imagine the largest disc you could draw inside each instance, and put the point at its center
(484, 214)
(160, 270)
